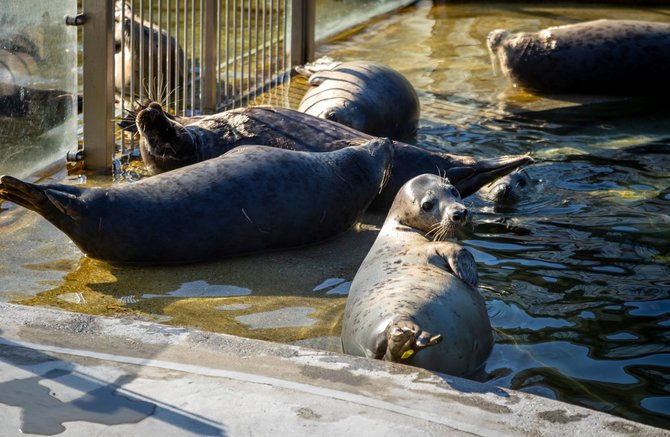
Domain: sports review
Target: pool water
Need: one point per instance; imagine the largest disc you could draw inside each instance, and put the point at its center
(575, 275)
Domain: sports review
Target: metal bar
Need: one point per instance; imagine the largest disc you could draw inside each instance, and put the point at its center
(162, 79)
(171, 85)
(98, 79)
(193, 57)
(142, 51)
(151, 86)
(265, 42)
(177, 60)
(234, 86)
(186, 57)
(242, 50)
(302, 31)
(228, 89)
(122, 42)
(208, 57)
(256, 42)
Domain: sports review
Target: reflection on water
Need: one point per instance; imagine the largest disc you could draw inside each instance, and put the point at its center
(575, 275)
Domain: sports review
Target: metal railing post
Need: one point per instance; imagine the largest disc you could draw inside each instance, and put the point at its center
(302, 31)
(98, 77)
(208, 72)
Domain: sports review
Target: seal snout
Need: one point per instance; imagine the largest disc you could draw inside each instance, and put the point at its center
(459, 215)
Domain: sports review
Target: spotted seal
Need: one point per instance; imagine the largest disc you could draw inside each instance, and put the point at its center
(414, 300)
(253, 199)
(167, 143)
(367, 96)
(508, 189)
(615, 57)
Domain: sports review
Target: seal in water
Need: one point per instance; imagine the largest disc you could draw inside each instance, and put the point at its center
(508, 189)
(616, 57)
(168, 144)
(367, 96)
(414, 300)
(252, 199)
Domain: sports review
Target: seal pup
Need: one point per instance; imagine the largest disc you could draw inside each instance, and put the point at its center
(367, 96)
(615, 57)
(252, 199)
(508, 189)
(414, 300)
(168, 144)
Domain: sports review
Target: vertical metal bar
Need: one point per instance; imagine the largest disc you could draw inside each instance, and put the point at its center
(186, 58)
(302, 31)
(193, 57)
(228, 89)
(133, 63)
(142, 50)
(162, 81)
(271, 25)
(249, 49)
(243, 51)
(265, 43)
(218, 54)
(285, 62)
(151, 90)
(234, 88)
(208, 37)
(256, 26)
(98, 83)
(122, 34)
(177, 59)
(168, 61)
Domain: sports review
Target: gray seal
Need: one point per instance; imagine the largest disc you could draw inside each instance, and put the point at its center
(252, 199)
(367, 96)
(508, 189)
(614, 57)
(169, 142)
(414, 300)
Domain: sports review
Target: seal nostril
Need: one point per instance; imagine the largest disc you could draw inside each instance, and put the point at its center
(459, 215)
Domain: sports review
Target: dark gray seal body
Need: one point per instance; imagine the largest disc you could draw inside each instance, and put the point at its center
(616, 57)
(253, 199)
(367, 96)
(414, 300)
(169, 142)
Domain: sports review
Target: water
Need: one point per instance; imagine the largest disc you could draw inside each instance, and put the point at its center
(575, 275)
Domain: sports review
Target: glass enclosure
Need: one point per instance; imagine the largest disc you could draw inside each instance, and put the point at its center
(38, 79)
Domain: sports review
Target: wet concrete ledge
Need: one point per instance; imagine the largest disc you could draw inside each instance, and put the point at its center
(78, 374)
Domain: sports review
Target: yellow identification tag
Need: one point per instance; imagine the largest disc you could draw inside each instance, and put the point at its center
(407, 354)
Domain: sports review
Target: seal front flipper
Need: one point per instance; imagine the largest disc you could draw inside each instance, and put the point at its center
(402, 339)
(461, 262)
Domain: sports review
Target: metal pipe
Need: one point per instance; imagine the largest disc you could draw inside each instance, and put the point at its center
(98, 86)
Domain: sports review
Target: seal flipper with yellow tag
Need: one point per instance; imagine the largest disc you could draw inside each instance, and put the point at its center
(402, 339)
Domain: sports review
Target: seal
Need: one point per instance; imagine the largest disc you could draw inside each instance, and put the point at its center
(167, 144)
(414, 300)
(508, 189)
(252, 199)
(143, 50)
(615, 57)
(367, 96)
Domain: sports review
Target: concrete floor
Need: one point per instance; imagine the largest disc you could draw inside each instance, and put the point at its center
(79, 375)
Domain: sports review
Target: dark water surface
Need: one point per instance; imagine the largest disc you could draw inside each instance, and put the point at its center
(576, 275)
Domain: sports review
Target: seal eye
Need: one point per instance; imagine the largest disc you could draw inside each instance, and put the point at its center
(454, 192)
(522, 183)
(427, 206)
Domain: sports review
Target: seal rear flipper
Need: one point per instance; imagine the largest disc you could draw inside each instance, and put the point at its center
(22, 193)
(52, 202)
(403, 338)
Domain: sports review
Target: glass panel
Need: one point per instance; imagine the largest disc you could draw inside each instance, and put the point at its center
(335, 16)
(38, 83)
